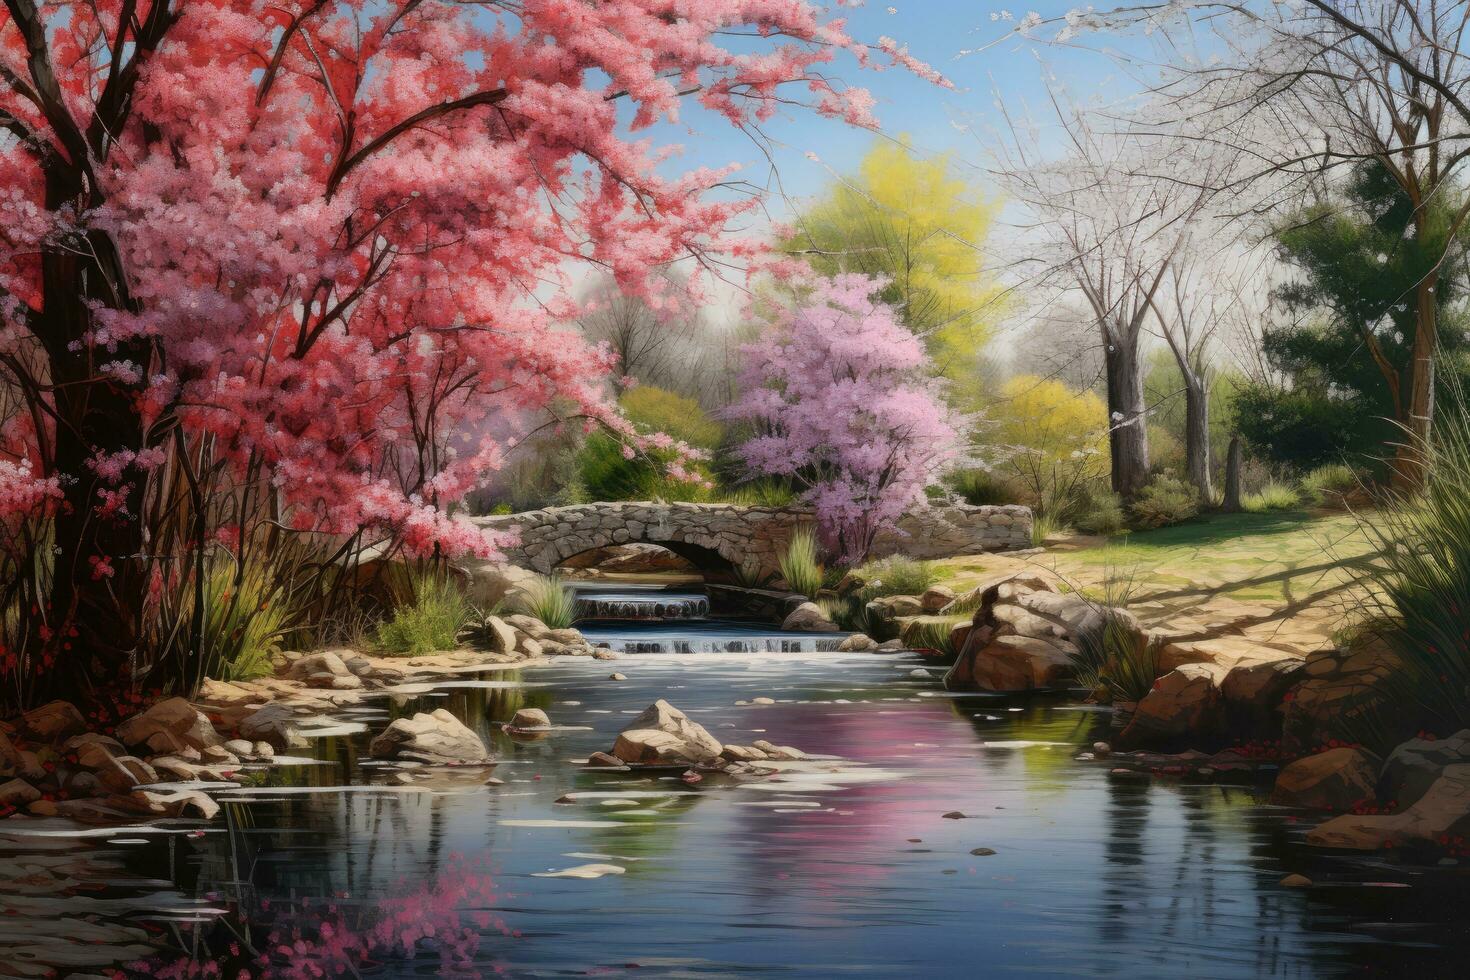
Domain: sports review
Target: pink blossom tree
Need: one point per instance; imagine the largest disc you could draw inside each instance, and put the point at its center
(263, 265)
(844, 402)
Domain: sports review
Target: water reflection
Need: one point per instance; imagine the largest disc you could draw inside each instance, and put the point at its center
(854, 865)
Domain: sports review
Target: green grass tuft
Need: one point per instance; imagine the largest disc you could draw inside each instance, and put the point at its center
(430, 621)
(1272, 497)
(799, 566)
(550, 601)
(895, 576)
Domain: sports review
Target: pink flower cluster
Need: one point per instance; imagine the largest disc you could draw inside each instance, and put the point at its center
(843, 402)
(347, 228)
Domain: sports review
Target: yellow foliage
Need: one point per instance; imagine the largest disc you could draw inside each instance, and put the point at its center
(655, 409)
(1057, 436)
(909, 220)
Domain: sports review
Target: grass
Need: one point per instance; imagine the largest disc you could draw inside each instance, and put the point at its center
(799, 566)
(895, 576)
(928, 633)
(550, 601)
(241, 623)
(1423, 594)
(429, 621)
(1113, 660)
(1272, 497)
(1329, 484)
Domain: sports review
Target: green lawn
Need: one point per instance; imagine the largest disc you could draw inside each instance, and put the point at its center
(1271, 557)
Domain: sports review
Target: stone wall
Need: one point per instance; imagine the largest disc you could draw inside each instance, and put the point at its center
(722, 537)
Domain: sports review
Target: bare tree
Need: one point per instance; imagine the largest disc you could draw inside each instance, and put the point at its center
(1302, 90)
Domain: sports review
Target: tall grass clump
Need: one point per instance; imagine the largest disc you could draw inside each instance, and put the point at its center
(242, 620)
(1273, 496)
(895, 576)
(983, 487)
(429, 619)
(1421, 600)
(800, 567)
(1167, 500)
(1115, 659)
(549, 600)
(1329, 484)
(932, 634)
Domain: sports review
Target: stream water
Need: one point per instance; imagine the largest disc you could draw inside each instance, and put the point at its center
(838, 867)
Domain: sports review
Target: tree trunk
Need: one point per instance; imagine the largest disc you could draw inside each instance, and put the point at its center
(1411, 461)
(97, 587)
(1197, 436)
(1127, 421)
(1233, 463)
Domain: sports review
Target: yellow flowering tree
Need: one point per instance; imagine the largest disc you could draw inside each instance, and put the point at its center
(1055, 438)
(909, 221)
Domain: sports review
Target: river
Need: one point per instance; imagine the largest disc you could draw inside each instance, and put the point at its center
(838, 867)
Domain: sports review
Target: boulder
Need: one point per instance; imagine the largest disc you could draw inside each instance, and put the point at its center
(935, 598)
(18, 793)
(118, 773)
(9, 755)
(178, 803)
(779, 753)
(896, 606)
(1184, 702)
(53, 722)
(112, 745)
(334, 682)
(1020, 663)
(529, 625)
(1069, 610)
(808, 618)
(664, 735)
(1414, 766)
(275, 724)
(174, 720)
(1262, 684)
(1337, 779)
(1443, 811)
(743, 753)
(857, 643)
(240, 747)
(530, 718)
(499, 636)
(436, 736)
(326, 662)
(1338, 688)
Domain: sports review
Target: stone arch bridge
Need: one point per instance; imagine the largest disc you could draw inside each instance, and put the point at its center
(720, 538)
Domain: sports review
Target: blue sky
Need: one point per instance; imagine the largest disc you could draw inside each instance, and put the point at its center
(935, 31)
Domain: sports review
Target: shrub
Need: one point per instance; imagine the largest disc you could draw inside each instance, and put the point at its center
(931, 634)
(1273, 496)
(984, 487)
(1114, 661)
(760, 493)
(1329, 484)
(895, 576)
(654, 409)
(550, 601)
(1422, 594)
(241, 622)
(1167, 500)
(799, 566)
(605, 473)
(1101, 512)
(429, 621)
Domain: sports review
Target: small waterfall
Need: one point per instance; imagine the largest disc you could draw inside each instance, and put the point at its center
(645, 605)
(717, 643)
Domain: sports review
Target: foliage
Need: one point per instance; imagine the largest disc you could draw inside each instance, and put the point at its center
(909, 223)
(277, 267)
(929, 633)
(1330, 484)
(1422, 593)
(609, 468)
(549, 600)
(896, 575)
(1101, 512)
(760, 493)
(981, 487)
(1350, 341)
(1116, 661)
(477, 630)
(429, 619)
(657, 410)
(800, 566)
(1272, 496)
(851, 614)
(1167, 500)
(1056, 439)
(843, 405)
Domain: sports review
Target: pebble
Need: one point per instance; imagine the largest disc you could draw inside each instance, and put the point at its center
(1102, 749)
(954, 815)
(763, 701)
(1296, 881)
(982, 852)
(616, 677)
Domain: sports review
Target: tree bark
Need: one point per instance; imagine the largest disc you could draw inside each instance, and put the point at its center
(97, 587)
(1233, 464)
(1411, 459)
(1197, 436)
(1127, 419)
